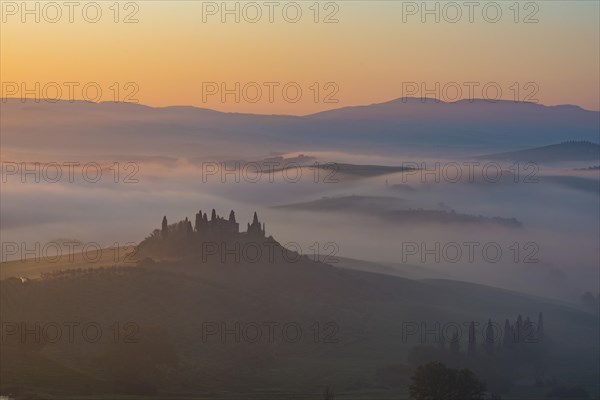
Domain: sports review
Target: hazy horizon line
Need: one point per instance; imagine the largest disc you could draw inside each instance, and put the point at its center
(423, 100)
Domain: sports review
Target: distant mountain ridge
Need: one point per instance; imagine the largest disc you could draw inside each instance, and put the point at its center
(383, 127)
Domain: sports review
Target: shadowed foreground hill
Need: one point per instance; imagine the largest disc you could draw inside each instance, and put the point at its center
(281, 326)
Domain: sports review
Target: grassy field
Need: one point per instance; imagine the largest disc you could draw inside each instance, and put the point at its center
(32, 268)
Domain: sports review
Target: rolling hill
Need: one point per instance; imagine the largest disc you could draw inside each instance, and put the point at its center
(395, 210)
(268, 329)
(566, 151)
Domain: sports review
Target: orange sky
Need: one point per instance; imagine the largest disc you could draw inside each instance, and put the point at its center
(182, 53)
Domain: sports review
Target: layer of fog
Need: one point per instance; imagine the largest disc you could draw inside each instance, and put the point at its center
(562, 223)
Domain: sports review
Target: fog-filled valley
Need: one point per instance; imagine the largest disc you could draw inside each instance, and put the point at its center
(383, 237)
(304, 205)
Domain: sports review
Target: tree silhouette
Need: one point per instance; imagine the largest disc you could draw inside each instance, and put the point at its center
(435, 381)
(165, 227)
(328, 394)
